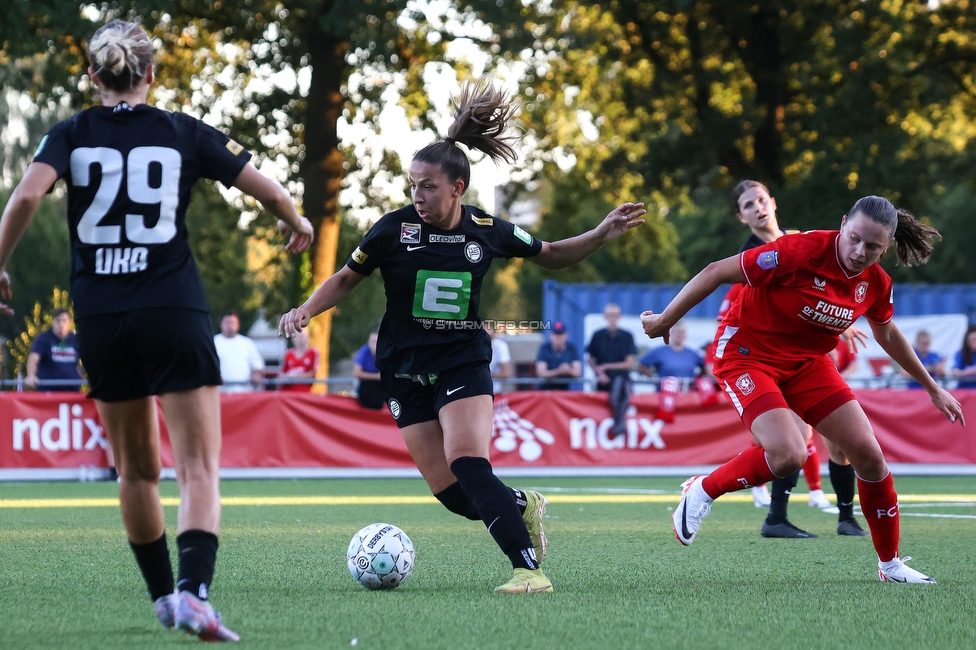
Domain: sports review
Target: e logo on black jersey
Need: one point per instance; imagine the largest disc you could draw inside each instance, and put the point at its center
(442, 294)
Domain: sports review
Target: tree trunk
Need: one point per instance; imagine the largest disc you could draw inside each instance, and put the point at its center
(322, 170)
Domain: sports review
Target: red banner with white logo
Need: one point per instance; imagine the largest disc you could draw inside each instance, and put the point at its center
(531, 429)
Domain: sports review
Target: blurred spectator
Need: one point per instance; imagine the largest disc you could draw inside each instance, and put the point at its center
(673, 359)
(53, 359)
(932, 360)
(845, 359)
(964, 366)
(612, 353)
(300, 363)
(241, 365)
(501, 360)
(558, 358)
(364, 369)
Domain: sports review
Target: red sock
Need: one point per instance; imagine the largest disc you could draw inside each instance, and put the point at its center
(811, 468)
(746, 470)
(879, 503)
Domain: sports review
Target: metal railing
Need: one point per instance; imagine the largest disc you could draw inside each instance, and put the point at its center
(348, 385)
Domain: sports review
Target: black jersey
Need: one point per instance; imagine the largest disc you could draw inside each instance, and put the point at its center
(433, 279)
(129, 172)
(754, 241)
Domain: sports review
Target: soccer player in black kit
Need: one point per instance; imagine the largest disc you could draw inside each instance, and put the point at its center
(142, 318)
(433, 353)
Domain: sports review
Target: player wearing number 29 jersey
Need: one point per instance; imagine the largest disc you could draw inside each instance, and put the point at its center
(143, 327)
(129, 171)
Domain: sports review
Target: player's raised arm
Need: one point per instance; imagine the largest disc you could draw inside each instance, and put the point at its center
(328, 295)
(698, 288)
(566, 252)
(276, 200)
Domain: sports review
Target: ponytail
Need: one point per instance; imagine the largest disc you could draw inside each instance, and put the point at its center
(481, 116)
(914, 239)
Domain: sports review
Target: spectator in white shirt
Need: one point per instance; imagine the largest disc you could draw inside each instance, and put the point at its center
(501, 361)
(241, 365)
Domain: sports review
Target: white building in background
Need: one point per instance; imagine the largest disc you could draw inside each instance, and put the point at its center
(265, 336)
(523, 209)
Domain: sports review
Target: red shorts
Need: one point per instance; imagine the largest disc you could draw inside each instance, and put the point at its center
(812, 389)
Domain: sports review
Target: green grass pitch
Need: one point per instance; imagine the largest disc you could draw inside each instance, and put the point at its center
(621, 579)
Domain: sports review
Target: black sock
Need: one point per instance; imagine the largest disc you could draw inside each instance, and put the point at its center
(844, 482)
(779, 498)
(198, 553)
(156, 568)
(520, 500)
(455, 500)
(496, 505)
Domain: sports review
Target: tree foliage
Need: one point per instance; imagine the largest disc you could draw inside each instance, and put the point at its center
(824, 101)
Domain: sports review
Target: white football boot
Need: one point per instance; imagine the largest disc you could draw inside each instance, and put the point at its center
(760, 496)
(898, 571)
(692, 508)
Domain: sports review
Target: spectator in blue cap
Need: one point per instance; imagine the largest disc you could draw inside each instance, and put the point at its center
(558, 359)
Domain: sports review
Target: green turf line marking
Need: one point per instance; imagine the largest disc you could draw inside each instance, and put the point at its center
(416, 500)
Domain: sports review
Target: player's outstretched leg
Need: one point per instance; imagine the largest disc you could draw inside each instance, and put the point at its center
(777, 524)
(501, 515)
(531, 504)
(745, 470)
(695, 504)
(879, 503)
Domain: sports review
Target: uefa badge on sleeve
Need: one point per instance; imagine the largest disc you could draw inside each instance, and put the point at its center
(768, 260)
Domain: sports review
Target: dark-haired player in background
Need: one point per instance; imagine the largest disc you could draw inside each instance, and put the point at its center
(143, 322)
(433, 352)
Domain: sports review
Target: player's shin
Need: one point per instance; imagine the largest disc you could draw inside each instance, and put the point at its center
(747, 469)
(879, 504)
(497, 508)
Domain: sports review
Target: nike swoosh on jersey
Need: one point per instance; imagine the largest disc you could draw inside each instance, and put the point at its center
(451, 391)
(416, 248)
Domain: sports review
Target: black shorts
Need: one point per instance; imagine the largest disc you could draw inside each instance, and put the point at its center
(146, 352)
(413, 402)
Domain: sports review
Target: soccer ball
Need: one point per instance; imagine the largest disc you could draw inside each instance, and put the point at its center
(380, 556)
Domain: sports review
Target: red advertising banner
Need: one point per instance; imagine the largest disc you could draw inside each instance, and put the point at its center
(531, 429)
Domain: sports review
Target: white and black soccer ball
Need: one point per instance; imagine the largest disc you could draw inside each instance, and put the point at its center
(380, 556)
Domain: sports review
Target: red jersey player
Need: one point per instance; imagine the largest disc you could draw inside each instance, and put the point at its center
(300, 363)
(802, 292)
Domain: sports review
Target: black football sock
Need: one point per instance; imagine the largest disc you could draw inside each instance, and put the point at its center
(457, 501)
(156, 568)
(779, 498)
(198, 553)
(496, 505)
(454, 499)
(520, 500)
(844, 482)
